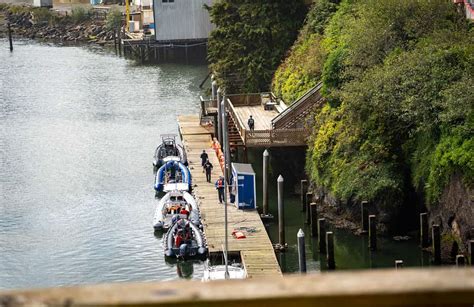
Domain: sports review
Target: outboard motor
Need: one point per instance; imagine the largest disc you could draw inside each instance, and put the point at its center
(183, 251)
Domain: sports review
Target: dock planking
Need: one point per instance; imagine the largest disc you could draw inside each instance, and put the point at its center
(256, 249)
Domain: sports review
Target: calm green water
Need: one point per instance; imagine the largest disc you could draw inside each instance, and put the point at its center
(351, 252)
(78, 131)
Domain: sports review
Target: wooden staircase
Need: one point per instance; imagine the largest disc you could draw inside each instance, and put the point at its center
(235, 139)
(294, 115)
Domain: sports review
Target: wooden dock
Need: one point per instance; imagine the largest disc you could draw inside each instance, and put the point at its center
(256, 249)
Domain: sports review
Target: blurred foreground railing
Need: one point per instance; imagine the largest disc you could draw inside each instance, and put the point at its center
(405, 287)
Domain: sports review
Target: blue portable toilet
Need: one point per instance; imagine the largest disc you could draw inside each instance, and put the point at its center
(243, 186)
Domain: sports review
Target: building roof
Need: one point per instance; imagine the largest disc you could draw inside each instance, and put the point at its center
(242, 168)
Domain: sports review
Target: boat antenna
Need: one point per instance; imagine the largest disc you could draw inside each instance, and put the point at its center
(226, 147)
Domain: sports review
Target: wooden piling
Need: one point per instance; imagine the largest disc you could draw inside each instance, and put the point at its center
(120, 44)
(460, 261)
(372, 233)
(436, 237)
(471, 251)
(314, 219)
(398, 264)
(281, 213)
(219, 122)
(266, 157)
(115, 41)
(10, 39)
(304, 190)
(331, 262)
(424, 237)
(364, 208)
(309, 199)
(322, 235)
(301, 251)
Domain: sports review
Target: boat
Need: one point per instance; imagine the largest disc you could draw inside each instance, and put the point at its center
(175, 204)
(167, 148)
(173, 175)
(217, 272)
(184, 240)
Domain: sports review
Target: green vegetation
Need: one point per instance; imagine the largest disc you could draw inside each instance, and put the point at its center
(114, 19)
(80, 14)
(400, 112)
(250, 40)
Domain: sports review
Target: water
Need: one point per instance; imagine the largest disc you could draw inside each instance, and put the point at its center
(78, 132)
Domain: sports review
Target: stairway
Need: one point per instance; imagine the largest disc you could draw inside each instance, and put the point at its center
(234, 136)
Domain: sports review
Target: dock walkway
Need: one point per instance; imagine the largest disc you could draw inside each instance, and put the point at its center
(256, 249)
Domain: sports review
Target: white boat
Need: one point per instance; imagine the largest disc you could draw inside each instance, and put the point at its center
(217, 272)
(178, 204)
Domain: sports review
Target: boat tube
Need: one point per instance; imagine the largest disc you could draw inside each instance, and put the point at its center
(168, 147)
(176, 204)
(184, 240)
(174, 174)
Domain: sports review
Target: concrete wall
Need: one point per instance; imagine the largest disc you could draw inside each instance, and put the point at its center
(181, 19)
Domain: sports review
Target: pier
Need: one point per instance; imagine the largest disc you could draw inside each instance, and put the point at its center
(256, 250)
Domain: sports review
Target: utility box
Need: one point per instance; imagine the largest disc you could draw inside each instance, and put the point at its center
(43, 3)
(243, 186)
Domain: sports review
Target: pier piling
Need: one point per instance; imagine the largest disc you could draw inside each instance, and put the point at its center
(331, 262)
(301, 251)
(364, 208)
(304, 190)
(460, 261)
(214, 90)
(322, 235)
(398, 264)
(436, 237)
(266, 157)
(115, 41)
(372, 232)
(314, 219)
(471, 251)
(219, 115)
(281, 212)
(309, 199)
(424, 239)
(10, 39)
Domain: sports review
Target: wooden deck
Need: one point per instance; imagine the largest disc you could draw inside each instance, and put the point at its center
(263, 118)
(256, 249)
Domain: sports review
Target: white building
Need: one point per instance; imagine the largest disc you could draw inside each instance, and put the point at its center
(181, 20)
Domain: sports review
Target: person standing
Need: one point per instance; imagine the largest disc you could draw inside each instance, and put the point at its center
(220, 188)
(204, 158)
(251, 123)
(208, 168)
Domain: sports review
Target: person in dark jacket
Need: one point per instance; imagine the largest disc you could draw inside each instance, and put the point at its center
(204, 158)
(220, 188)
(208, 168)
(251, 123)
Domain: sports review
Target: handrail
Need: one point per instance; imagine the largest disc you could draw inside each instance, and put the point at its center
(297, 103)
(240, 126)
(389, 287)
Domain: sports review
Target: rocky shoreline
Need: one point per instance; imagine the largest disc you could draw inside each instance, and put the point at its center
(62, 31)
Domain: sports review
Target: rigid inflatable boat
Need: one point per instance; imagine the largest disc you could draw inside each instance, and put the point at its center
(184, 240)
(177, 205)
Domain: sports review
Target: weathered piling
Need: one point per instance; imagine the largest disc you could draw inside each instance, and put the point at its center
(281, 213)
(364, 210)
(471, 251)
(398, 264)
(304, 190)
(309, 198)
(372, 232)
(119, 38)
(213, 89)
(331, 262)
(266, 157)
(322, 235)
(301, 251)
(460, 261)
(314, 219)
(219, 115)
(436, 237)
(10, 39)
(424, 237)
(115, 41)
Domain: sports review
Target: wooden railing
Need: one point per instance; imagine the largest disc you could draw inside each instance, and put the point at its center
(238, 122)
(276, 137)
(404, 287)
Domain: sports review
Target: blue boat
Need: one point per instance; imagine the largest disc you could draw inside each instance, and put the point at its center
(173, 175)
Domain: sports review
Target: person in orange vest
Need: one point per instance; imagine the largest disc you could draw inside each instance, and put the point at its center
(220, 188)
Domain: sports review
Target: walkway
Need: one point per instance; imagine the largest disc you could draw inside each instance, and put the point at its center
(256, 250)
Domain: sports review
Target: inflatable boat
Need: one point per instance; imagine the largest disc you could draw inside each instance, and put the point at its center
(175, 205)
(173, 175)
(184, 240)
(167, 148)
